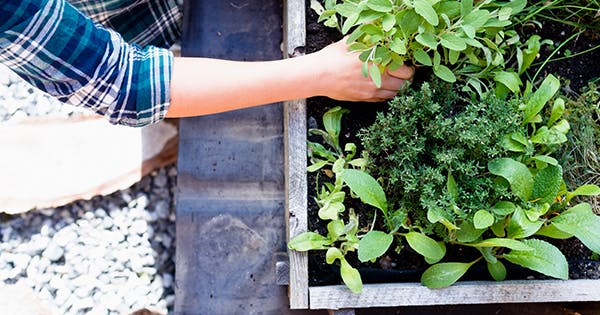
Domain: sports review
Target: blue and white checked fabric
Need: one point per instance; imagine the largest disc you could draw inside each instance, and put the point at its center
(55, 47)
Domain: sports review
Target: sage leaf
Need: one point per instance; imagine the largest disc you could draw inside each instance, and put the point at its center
(444, 73)
(453, 42)
(422, 57)
(335, 229)
(483, 219)
(538, 100)
(502, 242)
(544, 258)
(380, 5)
(373, 245)
(332, 121)
(375, 75)
(365, 187)
(424, 9)
(350, 276)
(546, 159)
(452, 187)
(427, 39)
(316, 166)
(497, 270)
(444, 274)
(583, 223)
(516, 173)
(547, 182)
(425, 245)
(308, 241)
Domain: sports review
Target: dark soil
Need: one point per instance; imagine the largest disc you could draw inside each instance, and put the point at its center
(408, 265)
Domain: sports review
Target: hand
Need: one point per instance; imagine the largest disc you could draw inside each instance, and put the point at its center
(342, 77)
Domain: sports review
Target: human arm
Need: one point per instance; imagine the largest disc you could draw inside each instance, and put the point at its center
(204, 86)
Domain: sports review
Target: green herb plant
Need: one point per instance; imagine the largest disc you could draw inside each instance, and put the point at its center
(348, 176)
(466, 40)
(495, 195)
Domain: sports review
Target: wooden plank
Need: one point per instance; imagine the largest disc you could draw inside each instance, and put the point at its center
(295, 158)
(472, 292)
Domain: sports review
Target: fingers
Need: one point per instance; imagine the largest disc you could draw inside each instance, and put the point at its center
(403, 72)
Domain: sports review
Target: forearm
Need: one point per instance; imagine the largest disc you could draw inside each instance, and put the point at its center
(202, 86)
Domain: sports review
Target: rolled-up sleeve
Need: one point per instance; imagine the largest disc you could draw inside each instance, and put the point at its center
(54, 47)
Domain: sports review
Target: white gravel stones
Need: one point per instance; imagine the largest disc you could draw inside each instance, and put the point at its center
(110, 255)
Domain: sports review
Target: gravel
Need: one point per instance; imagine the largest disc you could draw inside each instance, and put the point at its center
(109, 255)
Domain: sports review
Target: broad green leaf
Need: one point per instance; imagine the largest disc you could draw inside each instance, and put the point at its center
(502, 242)
(509, 79)
(332, 120)
(476, 18)
(467, 232)
(511, 144)
(346, 9)
(553, 232)
(497, 270)
(444, 73)
(409, 22)
(498, 228)
(375, 75)
(549, 136)
(388, 22)
(331, 210)
(380, 5)
(316, 166)
(558, 108)
(398, 46)
(584, 190)
(516, 173)
(350, 22)
(544, 258)
(373, 245)
(308, 241)
(453, 42)
(332, 254)
(351, 277)
(516, 6)
(466, 7)
(546, 185)
(538, 100)
(365, 187)
(335, 229)
(546, 159)
(482, 219)
(583, 223)
(435, 215)
(422, 57)
(520, 226)
(424, 245)
(424, 9)
(444, 274)
(427, 39)
(503, 208)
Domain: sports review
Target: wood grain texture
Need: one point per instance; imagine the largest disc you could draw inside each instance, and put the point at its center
(295, 158)
(472, 292)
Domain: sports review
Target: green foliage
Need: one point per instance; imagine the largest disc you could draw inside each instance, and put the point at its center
(430, 151)
(466, 40)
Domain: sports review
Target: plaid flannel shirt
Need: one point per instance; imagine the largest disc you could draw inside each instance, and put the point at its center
(53, 45)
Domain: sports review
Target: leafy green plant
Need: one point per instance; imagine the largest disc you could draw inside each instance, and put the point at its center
(346, 170)
(493, 189)
(460, 39)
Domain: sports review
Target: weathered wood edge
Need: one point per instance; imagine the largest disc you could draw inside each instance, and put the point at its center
(295, 157)
(468, 292)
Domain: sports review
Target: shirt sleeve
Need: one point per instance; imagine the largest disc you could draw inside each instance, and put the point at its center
(53, 46)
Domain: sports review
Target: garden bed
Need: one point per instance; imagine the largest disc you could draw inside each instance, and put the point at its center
(311, 288)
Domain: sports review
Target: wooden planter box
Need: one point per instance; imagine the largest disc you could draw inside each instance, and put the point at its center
(303, 296)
